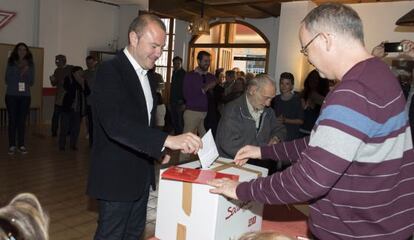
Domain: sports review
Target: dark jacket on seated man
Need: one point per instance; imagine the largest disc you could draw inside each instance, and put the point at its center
(237, 128)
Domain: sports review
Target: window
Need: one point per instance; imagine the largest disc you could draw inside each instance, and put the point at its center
(164, 66)
(232, 45)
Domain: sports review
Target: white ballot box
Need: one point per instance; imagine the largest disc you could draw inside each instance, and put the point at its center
(188, 211)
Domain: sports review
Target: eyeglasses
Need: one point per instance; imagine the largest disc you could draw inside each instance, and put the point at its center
(304, 49)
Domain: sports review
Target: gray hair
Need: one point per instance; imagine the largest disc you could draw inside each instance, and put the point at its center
(261, 80)
(336, 18)
(263, 236)
(25, 213)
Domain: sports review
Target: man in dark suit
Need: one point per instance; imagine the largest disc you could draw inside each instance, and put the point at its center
(126, 144)
(176, 96)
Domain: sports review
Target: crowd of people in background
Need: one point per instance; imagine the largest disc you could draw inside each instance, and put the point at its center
(72, 101)
(187, 110)
(239, 108)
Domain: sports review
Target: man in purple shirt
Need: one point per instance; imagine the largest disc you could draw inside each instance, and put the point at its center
(356, 169)
(195, 86)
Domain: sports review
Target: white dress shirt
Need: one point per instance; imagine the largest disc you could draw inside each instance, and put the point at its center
(142, 76)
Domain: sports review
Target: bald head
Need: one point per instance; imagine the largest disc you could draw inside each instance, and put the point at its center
(139, 24)
(260, 91)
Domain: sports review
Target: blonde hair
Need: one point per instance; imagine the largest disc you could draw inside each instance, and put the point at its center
(264, 236)
(26, 215)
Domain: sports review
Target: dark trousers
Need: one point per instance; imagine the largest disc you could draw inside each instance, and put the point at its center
(69, 123)
(122, 220)
(56, 119)
(90, 124)
(177, 120)
(17, 109)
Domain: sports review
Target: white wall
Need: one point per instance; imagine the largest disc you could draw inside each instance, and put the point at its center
(126, 15)
(182, 39)
(270, 28)
(379, 21)
(20, 28)
(289, 59)
(379, 25)
(49, 35)
(69, 27)
(72, 28)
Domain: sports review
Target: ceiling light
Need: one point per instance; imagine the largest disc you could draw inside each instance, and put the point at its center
(200, 25)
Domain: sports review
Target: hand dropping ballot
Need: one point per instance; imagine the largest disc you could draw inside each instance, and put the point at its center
(209, 153)
(197, 213)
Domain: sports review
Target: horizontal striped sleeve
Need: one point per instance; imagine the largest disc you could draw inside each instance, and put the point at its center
(310, 177)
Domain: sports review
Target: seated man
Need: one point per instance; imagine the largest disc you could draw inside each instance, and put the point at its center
(248, 120)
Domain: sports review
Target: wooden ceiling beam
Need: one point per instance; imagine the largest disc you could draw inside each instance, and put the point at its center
(188, 9)
(234, 2)
(273, 10)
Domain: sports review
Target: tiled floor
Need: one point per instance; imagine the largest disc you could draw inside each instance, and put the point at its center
(59, 180)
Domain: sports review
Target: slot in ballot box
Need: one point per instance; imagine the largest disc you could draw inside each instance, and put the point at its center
(188, 211)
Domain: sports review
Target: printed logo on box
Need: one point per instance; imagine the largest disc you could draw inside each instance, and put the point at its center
(234, 209)
(252, 221)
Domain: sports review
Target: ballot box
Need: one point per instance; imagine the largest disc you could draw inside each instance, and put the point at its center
(188, 211)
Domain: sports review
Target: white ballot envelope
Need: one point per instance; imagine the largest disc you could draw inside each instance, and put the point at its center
(209, 153)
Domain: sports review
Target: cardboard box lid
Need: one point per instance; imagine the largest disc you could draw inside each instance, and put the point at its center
(195, 175)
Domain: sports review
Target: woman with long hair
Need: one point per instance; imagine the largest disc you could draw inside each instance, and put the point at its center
(19, 79)
(313, 94)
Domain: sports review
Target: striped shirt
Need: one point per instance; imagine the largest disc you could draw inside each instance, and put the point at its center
(357, 167)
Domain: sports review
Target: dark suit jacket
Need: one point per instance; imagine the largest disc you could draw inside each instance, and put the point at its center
(124, 146)
(73, 88)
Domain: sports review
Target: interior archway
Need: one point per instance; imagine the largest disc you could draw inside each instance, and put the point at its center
(236, 44)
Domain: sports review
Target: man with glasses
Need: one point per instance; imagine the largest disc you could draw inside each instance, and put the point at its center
(357, 167)
(176, 95)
